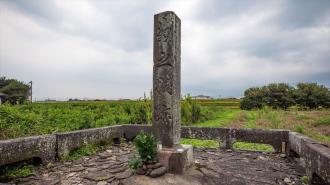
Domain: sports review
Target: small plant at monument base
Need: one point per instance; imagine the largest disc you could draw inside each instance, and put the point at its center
(145, 163)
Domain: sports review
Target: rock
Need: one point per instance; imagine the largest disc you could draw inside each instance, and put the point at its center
(124, 175)
(71, 174)
(98, 176)
(117, 170)
(77, 169)
(102, 183)
(154, 166)
(158, 172)
(261, 157)
(229, 150)
(148, 172)
(144, 167)
(50, 182)
(283, 155)
(140, 171)
(287, 180)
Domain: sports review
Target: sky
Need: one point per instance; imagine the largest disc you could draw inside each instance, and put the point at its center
(103, 49)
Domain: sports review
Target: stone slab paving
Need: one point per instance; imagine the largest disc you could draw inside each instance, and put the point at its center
(212, 166)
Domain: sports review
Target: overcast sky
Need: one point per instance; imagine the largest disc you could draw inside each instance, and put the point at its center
(103, 49)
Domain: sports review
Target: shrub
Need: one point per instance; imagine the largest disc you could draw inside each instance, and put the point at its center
(135, 162)
(146, 147)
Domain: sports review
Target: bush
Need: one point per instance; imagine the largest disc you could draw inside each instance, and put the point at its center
(146, 147)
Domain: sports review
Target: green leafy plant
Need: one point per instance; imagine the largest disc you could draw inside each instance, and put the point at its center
(304, 179)
(135, 162)
(146, 147)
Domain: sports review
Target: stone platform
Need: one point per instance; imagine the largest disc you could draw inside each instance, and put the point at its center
(211, 166)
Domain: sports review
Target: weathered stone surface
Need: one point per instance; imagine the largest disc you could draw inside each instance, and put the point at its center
(315, 154)
(140, 171)
(178, 159)
(166, 78)
(71, 140)
(13, 150)
(99, 176)
(124, 175)
(158, 172)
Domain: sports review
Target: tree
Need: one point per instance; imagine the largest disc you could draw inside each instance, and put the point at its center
(16, 91)
(312, 95)
(253, 98)
(279, 95)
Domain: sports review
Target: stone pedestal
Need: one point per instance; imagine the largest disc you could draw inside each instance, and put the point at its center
(176, 159)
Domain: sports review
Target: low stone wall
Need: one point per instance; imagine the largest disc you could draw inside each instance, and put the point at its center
(228, 136)
(71, 140)
(48, 147)
(20, 149)
(315, 154)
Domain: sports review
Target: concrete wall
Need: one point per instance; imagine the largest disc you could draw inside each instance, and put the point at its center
(315, 154)
(14, 150)
(72, 140)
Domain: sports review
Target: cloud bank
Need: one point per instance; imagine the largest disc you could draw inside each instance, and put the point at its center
(103, 49)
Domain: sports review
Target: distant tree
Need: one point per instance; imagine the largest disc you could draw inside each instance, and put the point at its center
(16, 91)
(253, 98)
(312, 95)
(279, 95)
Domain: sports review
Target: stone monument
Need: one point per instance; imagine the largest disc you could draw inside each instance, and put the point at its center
(167, 93)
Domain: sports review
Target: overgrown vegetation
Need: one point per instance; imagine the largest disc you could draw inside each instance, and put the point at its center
(282, 96)
(47, 118)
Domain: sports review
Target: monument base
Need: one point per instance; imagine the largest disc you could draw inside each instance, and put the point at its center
(177, 159)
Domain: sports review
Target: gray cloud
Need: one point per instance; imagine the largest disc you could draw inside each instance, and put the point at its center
(103, 49)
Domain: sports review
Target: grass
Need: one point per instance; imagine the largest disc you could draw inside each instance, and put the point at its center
(222, 119)
(86, 150)
(200, 143)
(253, 146)
(324, 121)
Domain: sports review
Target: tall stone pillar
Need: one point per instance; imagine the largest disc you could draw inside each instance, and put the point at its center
(167, 93)
(166, 79)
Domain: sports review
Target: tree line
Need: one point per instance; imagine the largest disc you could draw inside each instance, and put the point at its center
(282, 96)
